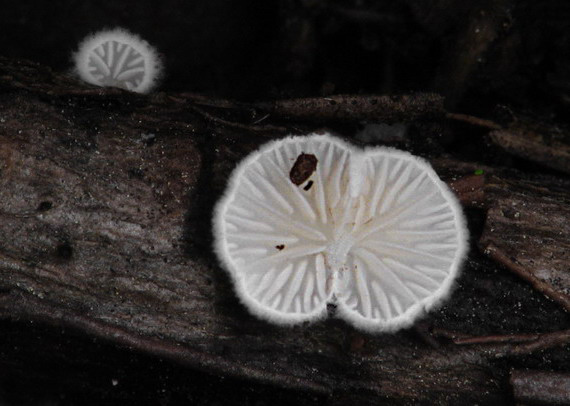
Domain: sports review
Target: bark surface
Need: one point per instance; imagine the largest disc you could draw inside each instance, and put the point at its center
(105, 212)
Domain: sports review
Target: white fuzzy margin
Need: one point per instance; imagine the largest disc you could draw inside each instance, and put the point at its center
(153, 62)
(220, 240)
(402, 321)
(436, 298)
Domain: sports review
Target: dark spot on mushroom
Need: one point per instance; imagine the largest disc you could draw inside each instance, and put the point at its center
(44, 206)
(303, 168)
(280, 247)
(308, 185)
(64, 250)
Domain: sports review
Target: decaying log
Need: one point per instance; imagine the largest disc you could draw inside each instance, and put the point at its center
(536, 141)
(528, 230)
(105, 206)
(527, 227)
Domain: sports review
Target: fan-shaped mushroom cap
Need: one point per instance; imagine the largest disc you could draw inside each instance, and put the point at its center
(311, 220)
(118, 58)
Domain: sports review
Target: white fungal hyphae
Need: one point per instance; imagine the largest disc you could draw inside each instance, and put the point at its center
(311, 220)
(118, 58)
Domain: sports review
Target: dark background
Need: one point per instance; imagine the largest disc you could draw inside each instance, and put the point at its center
(488, 58)
(478, 53)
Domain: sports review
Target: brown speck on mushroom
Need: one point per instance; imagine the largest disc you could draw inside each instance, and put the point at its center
(308, 185)
(303, 168)
(280, 247)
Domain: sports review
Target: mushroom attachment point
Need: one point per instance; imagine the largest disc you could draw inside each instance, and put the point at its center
(377, 233)
(118, 58)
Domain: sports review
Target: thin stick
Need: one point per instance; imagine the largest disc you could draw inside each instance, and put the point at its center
(496, 254)
(481, 122)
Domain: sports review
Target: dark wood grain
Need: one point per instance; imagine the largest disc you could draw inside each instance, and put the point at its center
(105, 208)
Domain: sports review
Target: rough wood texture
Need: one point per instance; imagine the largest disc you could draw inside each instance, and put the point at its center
(528, 230)
(391, 109)
(540, 142)
(542, 388)
(105, 205)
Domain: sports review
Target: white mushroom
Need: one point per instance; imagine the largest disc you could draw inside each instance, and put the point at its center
(118, 58)
(311, 220)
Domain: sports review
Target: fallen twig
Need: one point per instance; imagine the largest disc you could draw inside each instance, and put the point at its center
(255, 128)
(356, 107)
(480, 122)
(540, 387)
(207, 101)
(509, 344)
(545, 288)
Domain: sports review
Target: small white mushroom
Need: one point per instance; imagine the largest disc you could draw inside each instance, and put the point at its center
(311, 220)
(118, 58)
